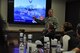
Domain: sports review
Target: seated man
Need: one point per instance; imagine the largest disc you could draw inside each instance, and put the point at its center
(50, 32)
(68, 30)
(77, 49)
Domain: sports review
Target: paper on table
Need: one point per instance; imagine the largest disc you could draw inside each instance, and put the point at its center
(69, 52)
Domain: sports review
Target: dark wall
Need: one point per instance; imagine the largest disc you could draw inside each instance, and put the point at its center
(15, 35)
(11, 35)
(73, 12)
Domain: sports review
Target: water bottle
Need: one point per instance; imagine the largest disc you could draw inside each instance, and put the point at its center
(21, 47)
(29, 48)
(25, 43)
(58, 50)
(46, 39)
(21, 44)
(30, 38)
(48, 47)
(24, 39)
(21, 37)
(54, 45)
(21, 41)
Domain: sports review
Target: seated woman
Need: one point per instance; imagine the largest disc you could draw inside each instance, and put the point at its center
(3, 42)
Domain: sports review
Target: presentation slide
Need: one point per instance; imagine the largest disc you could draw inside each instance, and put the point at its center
(24, 10)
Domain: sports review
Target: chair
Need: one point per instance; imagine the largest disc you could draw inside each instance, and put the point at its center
(65, 40)
(32, 46)
(46, 39)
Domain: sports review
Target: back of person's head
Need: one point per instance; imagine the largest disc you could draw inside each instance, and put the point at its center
(51, 26)
(68, 26)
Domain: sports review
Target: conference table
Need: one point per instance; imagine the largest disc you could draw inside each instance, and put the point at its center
(16, 50)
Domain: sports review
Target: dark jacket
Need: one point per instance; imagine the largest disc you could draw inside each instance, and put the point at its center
(73, 42)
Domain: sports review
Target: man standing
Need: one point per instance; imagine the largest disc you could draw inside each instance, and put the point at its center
(48, 20)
